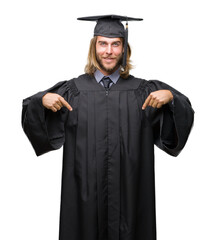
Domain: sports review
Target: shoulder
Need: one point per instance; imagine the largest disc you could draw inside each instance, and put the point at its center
(83, 81)
(130, 82)
(144, 82)
(152, 85)
(74, 83)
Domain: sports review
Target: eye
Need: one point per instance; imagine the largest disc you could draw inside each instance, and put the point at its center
(116, 44)
(102, 43)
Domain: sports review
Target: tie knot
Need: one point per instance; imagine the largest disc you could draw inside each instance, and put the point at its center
(106, 82)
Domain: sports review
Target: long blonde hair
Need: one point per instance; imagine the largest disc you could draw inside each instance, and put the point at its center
(92, 63)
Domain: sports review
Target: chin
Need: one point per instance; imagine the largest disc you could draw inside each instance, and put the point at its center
(109, 68)
(109, 65)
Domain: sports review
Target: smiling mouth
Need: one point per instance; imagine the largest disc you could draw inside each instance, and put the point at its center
(109, 59)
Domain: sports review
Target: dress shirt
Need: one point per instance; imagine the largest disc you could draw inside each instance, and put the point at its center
(114, 76)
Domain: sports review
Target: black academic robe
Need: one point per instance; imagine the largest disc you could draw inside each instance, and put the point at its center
(108, 184)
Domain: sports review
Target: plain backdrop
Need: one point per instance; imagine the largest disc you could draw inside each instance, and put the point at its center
(42, 43)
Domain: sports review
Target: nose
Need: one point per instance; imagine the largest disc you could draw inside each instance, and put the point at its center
(109, 49)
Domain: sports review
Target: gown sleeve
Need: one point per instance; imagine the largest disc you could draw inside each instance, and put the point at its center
(173, 122)
(44, 128)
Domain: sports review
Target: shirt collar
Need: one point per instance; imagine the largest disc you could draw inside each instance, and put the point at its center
(114, 76)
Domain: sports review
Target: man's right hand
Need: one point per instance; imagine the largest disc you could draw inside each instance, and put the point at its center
(55, 102)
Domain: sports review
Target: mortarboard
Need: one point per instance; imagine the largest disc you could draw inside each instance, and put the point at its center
(110, 26)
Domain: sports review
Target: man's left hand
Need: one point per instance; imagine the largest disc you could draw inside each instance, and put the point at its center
(158, 98)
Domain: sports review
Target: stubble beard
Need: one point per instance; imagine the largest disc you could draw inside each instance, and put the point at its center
(111, 69)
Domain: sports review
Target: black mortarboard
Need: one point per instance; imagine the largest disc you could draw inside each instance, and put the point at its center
(110, 26)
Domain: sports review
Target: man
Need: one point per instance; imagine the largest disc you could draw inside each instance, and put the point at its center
(108, 122)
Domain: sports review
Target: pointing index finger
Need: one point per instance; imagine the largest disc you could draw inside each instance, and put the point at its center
(146, 103)
(66, 104)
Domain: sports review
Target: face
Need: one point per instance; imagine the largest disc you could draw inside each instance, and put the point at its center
(109, 52)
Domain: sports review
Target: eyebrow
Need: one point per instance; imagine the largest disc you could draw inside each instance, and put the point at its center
(118, 41)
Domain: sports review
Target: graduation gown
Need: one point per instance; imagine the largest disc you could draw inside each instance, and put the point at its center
(108, 184)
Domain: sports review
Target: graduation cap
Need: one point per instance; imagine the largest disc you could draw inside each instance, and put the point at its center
(110, 26)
